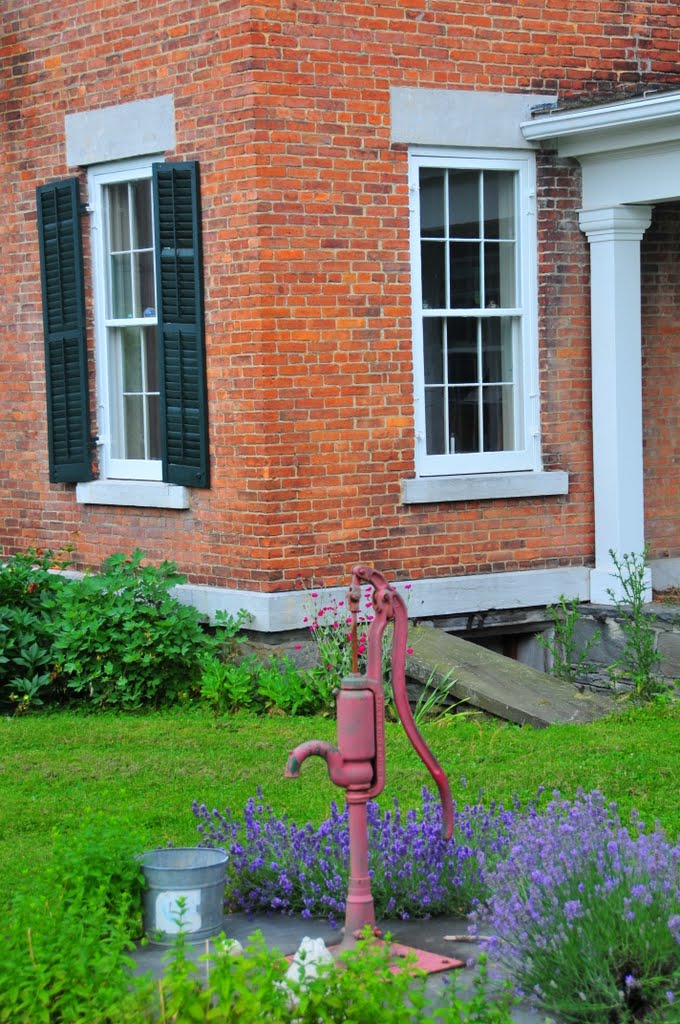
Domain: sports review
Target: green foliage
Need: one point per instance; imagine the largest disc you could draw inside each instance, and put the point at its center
(121, 640)
(568, 659)
(272, 687)
(65, 937)
(362, 987)
(640, 658)
(28, 592)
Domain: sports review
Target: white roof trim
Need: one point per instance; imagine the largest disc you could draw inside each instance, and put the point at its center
(646, 119)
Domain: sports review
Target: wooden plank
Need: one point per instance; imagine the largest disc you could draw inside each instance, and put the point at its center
(496, 684)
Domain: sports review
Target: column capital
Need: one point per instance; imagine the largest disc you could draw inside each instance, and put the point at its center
(615, 223)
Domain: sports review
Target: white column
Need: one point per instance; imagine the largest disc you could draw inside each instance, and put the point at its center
(614, 235)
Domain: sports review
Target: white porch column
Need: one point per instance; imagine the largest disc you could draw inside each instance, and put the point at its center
(614, 235)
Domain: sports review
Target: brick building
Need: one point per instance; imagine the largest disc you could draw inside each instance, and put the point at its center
(295, 284)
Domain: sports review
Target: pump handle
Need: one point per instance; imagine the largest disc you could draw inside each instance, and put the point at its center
(388, 604)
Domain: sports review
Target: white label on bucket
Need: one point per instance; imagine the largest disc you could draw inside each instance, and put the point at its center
(168, 911)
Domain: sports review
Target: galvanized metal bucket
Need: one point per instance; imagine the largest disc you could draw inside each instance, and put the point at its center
(189, 874)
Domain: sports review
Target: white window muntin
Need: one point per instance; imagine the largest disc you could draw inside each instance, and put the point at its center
(519, 319)
(113, 333)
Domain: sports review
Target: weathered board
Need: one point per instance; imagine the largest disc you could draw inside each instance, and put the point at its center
(496, 684)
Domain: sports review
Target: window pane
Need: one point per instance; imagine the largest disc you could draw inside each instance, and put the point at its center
(121, 286)
(119, 218)
(435, 423)
(464, 419)
(151, 353)
(497, 351)
(498, 418)
(154, 421)
(465, 282)
(433, 274)
(146, 287)
(131, 352)
(432, 203)
(464, 204)
(433, 350)
(462, 351)
(133, 428)
(141, 197)
(499, 275)
(499, 205)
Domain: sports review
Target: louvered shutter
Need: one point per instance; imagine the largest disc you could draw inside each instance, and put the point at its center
(179, 281)
(61, 268)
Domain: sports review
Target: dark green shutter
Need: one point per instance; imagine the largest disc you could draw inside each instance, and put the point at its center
(179, 282)
(61, 268)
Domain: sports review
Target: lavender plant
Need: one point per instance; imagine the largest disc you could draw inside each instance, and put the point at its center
(585, 913)
(277, 865)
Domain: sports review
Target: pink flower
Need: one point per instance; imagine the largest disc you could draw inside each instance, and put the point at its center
(409, 650)
(314, 593)
(407, 586)
(361, 648)
(340, 604)
(305, 619)
(298, 647)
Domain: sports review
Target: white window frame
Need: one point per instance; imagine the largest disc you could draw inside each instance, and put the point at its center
(526, 456)
(99, 177)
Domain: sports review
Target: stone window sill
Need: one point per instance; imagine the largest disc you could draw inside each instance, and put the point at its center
(136, 493)
(481, 486)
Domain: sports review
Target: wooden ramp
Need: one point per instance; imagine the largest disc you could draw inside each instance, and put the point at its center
(499, 685)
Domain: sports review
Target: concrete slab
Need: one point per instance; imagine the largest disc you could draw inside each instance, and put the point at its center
(438, 935)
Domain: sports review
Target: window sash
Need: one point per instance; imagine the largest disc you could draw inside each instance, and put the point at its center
(119, 241)
(507, 414)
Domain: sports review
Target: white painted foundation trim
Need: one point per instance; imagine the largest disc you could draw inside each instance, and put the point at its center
(136, 493)
(474, 487)
(605, 586)
(451, 595)
(665, 573)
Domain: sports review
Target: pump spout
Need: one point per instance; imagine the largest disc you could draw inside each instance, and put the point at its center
(313, 748)
(343, 772)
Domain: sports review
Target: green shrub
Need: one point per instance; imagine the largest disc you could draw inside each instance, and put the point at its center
(120, 639)
(65, 940)
(28, 596)
(263, 687)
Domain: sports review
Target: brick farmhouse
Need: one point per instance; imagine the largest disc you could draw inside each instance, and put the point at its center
(296, 284)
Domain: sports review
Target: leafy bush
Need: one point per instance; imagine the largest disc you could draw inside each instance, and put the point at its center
(586, 915)
(255, 987)
(65, 940)
(121, 640)
(28, 595)
(275, 686)
(274, 864)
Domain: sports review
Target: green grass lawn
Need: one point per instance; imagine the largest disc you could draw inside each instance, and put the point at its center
(150, 767)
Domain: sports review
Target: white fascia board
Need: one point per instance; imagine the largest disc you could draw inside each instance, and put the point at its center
(452, 595)
(647, 119)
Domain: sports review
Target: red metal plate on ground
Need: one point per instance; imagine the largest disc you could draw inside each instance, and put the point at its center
(431, 963)
(425, 961)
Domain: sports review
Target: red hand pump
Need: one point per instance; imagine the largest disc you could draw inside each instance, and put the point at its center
(357, 763)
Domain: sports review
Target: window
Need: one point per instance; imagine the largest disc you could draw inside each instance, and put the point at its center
(473, 266)
(126, 324)
(148, 320)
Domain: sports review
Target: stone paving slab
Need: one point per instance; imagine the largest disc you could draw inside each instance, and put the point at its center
(286, 933)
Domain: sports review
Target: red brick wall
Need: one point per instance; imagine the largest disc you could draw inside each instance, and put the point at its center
(286, 105)
(660, 363)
